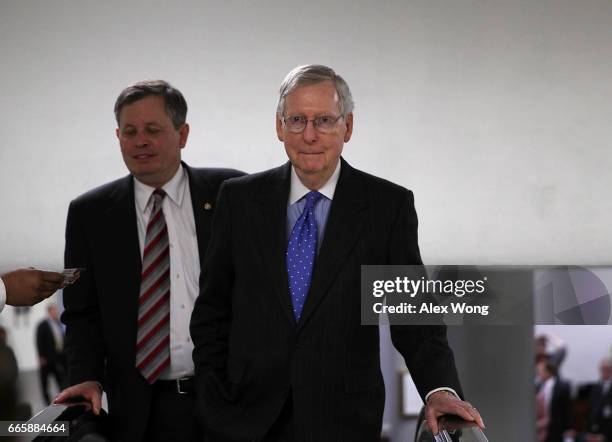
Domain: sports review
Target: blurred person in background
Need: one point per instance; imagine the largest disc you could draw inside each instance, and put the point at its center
(51, 356)
(551, 347)
(600, 416)
(552, 403)
(8, 378)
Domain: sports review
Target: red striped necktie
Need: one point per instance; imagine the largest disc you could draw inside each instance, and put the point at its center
(153, 340)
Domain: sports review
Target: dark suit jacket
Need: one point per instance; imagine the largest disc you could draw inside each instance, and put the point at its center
(598, 401)
(102, 307)
(45, 344)
(9, 372)
(559, 412)
(249, 351)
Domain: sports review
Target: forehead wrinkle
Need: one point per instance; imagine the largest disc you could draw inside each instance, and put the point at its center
(313, 109)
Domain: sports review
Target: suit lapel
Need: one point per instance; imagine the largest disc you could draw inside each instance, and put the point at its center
(344, 225)
(272, 200)
(126, 263)
(202, 200)
(123, 230)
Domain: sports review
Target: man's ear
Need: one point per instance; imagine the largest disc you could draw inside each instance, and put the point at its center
(183, 134)
(279, 128)
(348, 120)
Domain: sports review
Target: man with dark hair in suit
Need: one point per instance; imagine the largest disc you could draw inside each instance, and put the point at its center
(600, 421)
(141, 240)
(280, 353)
(51, 355)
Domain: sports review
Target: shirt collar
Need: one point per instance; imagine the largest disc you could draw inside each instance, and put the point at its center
(298, 190)
(175, 190)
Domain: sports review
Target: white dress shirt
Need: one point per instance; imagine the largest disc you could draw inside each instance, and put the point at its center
(184, 263)
(547, 392)
(58, 334)
(297, 202)
(297, 190)
(2, 295)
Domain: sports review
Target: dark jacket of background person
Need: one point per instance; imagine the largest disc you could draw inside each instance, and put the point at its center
(559, 411)
(600, 422)
(52, 358)
(45, 344)
(9, 372)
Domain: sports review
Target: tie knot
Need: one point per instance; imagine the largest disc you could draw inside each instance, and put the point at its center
(312, 197)
(158, 195)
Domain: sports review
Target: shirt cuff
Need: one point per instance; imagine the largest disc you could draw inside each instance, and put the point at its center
(450, 390)
(2, 295)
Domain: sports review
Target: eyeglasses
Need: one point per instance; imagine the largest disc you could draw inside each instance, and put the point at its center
(324, 124)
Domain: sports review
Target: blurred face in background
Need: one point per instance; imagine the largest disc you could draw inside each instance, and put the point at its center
(542, 371)
(53, 313)
(605, 370)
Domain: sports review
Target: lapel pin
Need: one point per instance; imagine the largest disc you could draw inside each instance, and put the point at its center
(207, 206)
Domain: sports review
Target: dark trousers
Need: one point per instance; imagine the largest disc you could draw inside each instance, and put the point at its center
(282, 430)
(172, 417)
(45, 372)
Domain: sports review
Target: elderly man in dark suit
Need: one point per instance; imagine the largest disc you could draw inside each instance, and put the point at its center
(280, 353)
(141, 240)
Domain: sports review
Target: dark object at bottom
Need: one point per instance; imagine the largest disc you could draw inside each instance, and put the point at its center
(85, 426)
(451, 429)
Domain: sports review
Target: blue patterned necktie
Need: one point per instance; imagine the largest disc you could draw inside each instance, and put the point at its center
(301, 253)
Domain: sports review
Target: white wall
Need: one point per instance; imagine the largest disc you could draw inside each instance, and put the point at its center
(496, 113)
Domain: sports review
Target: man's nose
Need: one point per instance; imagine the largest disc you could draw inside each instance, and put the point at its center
(310, 134)
(142, 140)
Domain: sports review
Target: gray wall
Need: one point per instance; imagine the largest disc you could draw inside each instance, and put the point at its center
(495, 113)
